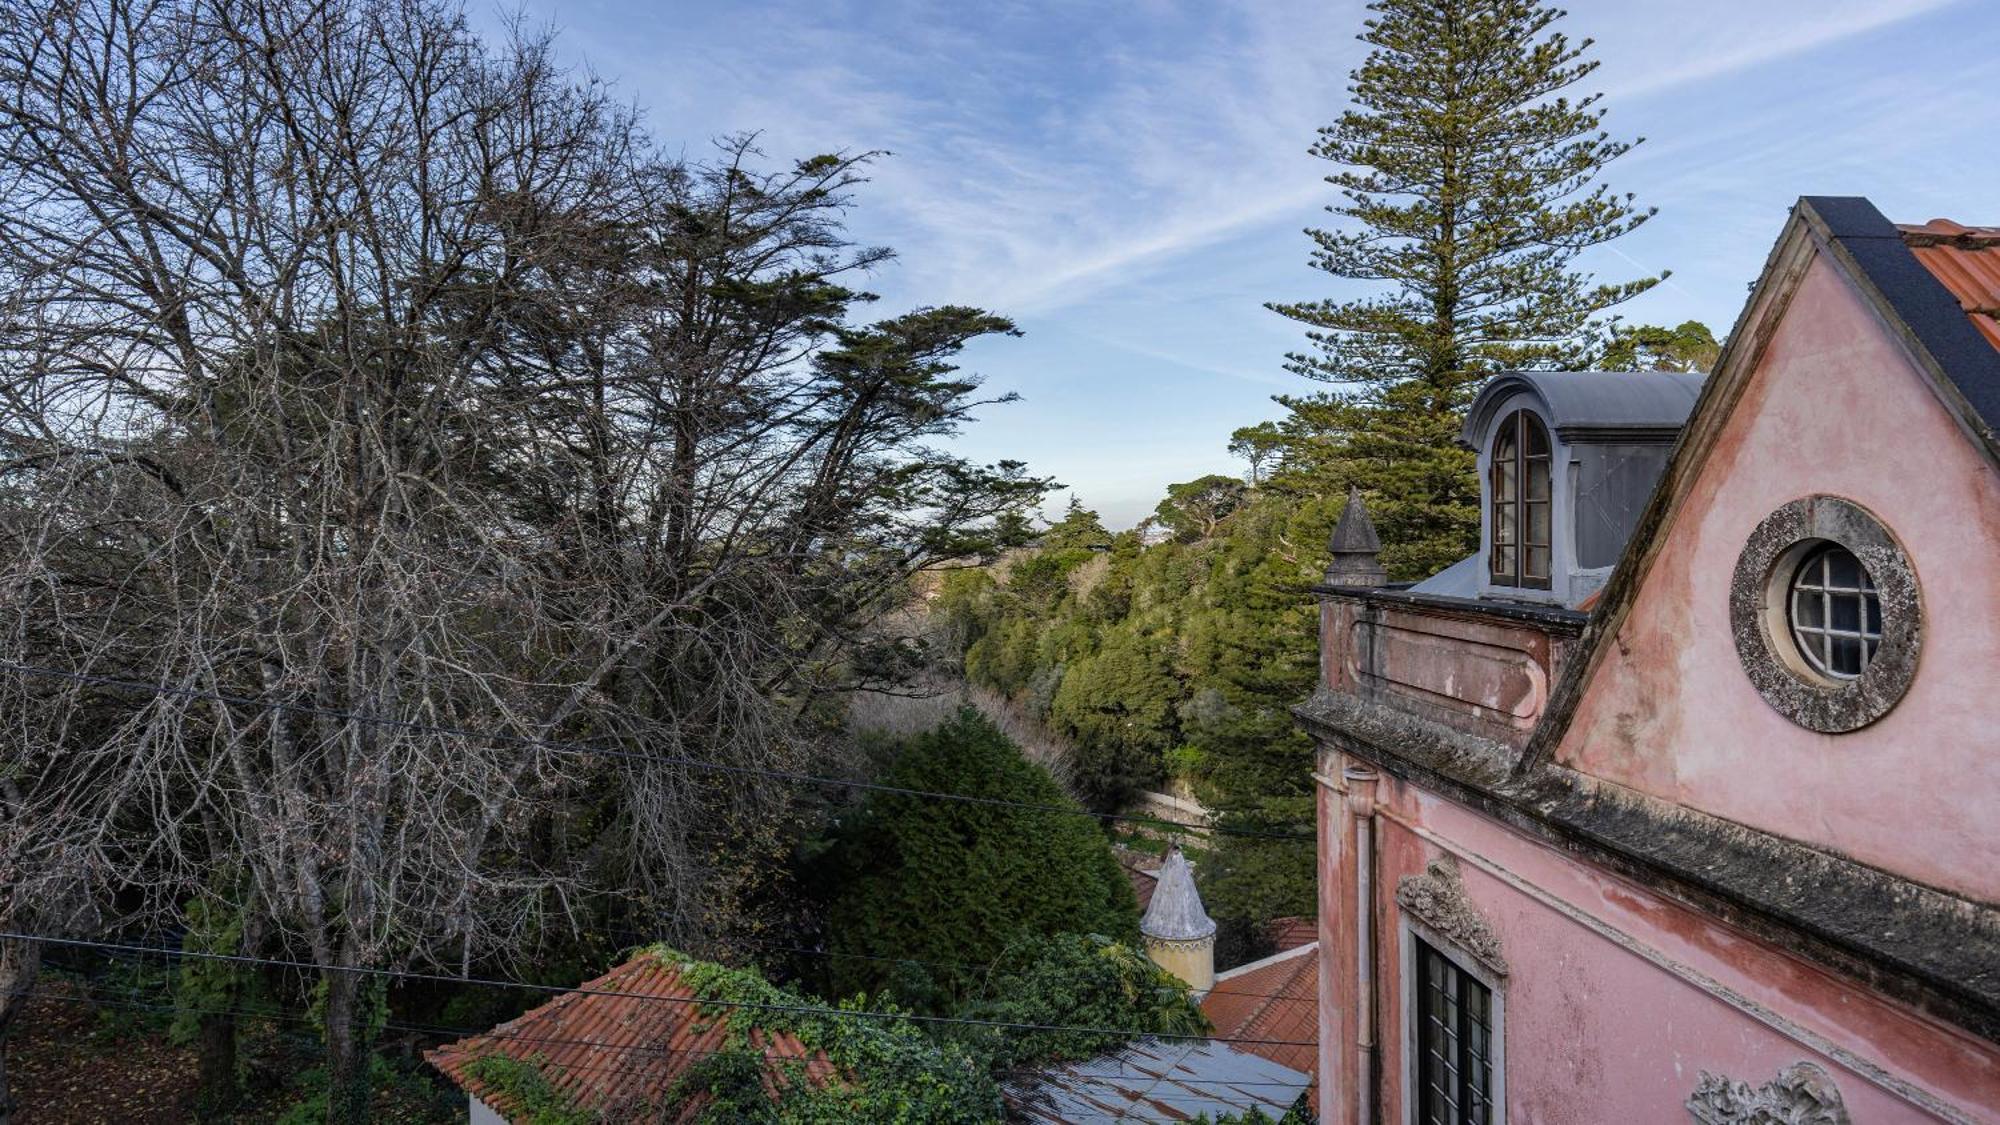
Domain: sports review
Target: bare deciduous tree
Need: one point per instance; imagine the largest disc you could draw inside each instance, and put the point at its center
(459, 474)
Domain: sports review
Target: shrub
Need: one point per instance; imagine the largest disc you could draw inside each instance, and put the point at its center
(922, 892)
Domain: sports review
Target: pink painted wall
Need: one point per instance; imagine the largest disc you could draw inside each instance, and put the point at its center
(1616, 1023)
(1834, 407)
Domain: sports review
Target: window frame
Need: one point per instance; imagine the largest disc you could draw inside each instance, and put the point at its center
(1410, 934)
(1517, 428)
(1866, 633)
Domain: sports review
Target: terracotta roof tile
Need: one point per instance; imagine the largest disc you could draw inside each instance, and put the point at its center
(1144, 880)
(618, 1044)
(1966, 260)
(1276, 998)
(1290, 933)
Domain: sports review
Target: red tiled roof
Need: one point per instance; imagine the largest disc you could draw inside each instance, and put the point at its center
(1290, 933)
(1276, 998)
(618, 1044)
(1144, 881)
(1967, 261)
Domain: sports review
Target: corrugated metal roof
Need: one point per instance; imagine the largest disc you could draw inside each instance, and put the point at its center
(618, 1045)
(1276, 998)
(1153, 1080)
(1966, 260)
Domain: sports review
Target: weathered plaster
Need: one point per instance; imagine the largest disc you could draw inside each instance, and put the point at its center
(1618, 999)
(1834, 407)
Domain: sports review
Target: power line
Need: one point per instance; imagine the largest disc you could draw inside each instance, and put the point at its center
(747, 1005)
(576, 748)
(632, 939)
(41, 992)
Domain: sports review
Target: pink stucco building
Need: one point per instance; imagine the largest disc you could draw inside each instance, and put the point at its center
(1680, 801)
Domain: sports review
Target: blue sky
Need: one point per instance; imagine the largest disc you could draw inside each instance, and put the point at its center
(1129, 180)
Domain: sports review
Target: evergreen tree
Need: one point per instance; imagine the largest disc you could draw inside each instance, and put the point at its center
(924, 891)
(1469, 182)
(1689, 346)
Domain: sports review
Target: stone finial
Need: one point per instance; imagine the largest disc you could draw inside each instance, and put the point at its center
(1355, 546)
(1179, 934)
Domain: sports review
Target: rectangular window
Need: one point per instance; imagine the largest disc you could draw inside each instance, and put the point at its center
(1454, 1042)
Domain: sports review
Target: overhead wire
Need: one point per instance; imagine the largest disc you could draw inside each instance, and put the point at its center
(746, 1005)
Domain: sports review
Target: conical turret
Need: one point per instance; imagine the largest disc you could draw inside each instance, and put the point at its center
(1355, 547)
(1179, 934)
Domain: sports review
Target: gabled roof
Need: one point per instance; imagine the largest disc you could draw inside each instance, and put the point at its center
(1926, 945)
(1911, 295)
(618, 1044)
(1939, 301)
(1276, 998)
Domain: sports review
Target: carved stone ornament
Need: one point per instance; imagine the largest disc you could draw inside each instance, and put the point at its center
(1802, 1094)
(1437, 898)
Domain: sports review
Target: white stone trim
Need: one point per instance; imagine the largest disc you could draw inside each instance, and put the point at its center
(1282, 955)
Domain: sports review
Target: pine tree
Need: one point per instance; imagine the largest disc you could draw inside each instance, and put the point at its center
(1470, 185)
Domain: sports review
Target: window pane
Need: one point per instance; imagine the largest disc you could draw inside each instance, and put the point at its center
(1454, 1076)
(1538, 479)
(1538, 438)
(1874, 617)
(1809, 610)
(1843, 570)
(1538, 562)
(1538, 524)
(1846, 657)
(1503, 523)
(1503, 478)
(1847, 612)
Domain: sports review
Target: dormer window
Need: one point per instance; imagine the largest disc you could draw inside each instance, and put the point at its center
(1519, 476)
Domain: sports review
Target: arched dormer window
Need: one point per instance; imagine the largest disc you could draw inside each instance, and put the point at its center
(1519, 478)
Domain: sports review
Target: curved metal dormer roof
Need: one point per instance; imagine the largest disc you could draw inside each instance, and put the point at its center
(1176, 913)
(1587, 405)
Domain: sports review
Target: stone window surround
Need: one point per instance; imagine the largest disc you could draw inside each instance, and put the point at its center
(1408, 931)
(1759, 602)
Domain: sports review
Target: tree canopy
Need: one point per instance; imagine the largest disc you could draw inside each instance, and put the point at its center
(923, 893)
(1469, 187)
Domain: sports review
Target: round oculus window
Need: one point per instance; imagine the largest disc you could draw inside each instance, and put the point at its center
(1834, 612)
(1826, 616)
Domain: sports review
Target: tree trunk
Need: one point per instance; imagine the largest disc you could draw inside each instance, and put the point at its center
(216, 1060)
(19, 962)
(346, 1049)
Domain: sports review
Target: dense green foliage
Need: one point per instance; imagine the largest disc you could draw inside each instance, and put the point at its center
(921, 893)
(1468, 180)
(890, 1070)
(1688, 346)
(535, 1099)
(1076, 981)
(1179, 660)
